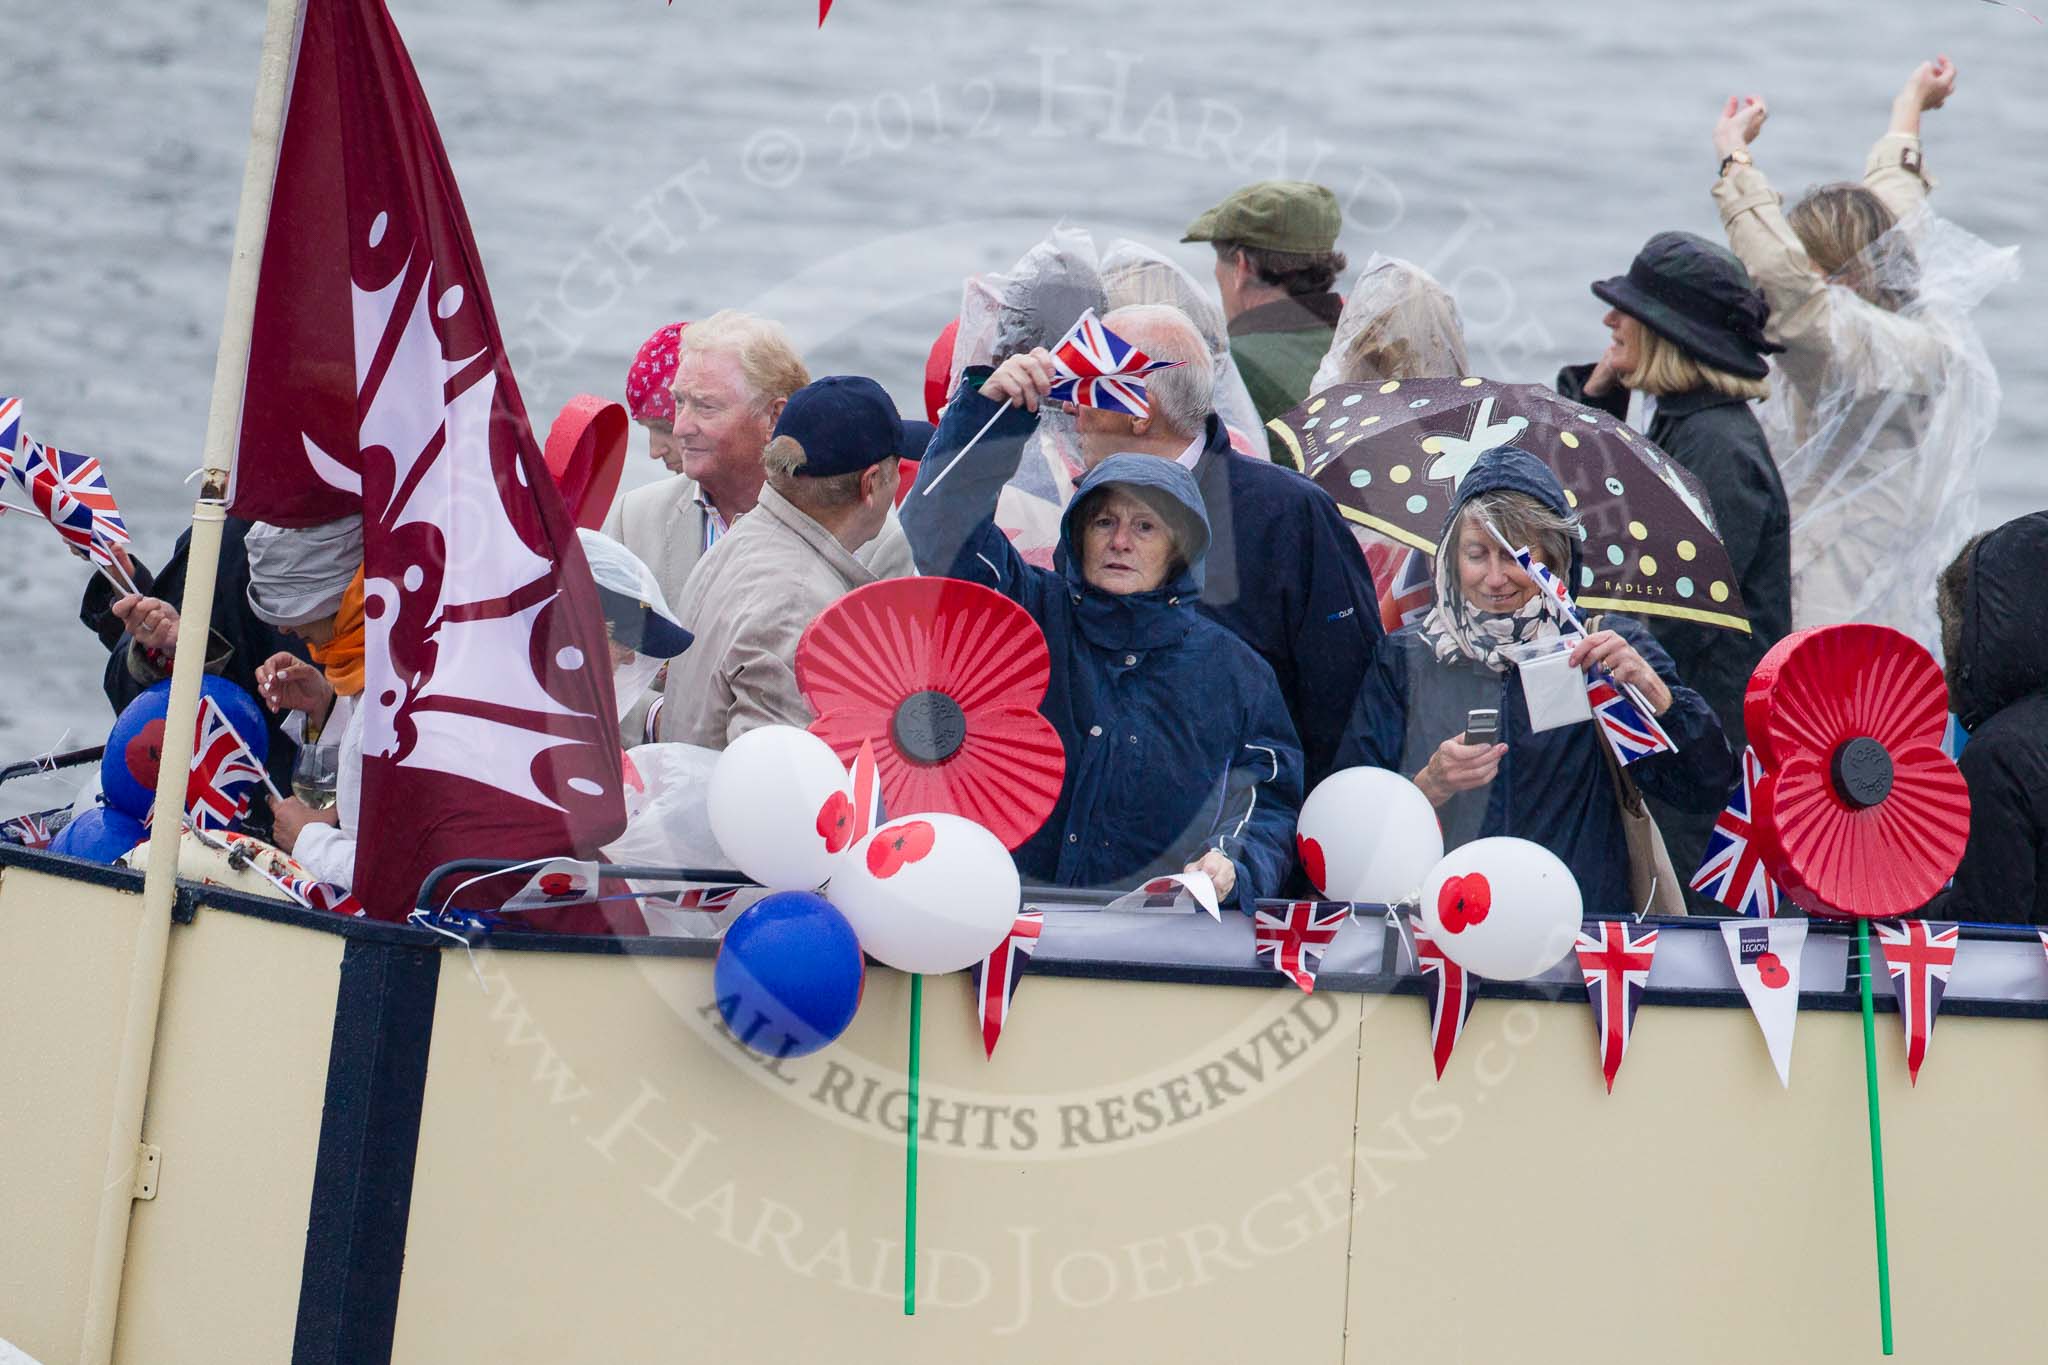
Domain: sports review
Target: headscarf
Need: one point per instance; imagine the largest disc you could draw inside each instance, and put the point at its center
(1454, 629)
(647, 383)
(298, 574)
(342, 658)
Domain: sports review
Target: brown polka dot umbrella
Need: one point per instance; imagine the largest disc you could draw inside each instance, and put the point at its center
(1392, 454)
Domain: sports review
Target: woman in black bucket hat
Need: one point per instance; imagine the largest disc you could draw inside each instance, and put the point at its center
(1686, 358)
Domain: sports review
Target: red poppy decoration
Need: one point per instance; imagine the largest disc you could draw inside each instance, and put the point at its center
(899, 845)
(1312, 861)
(1859, 814)
(944, 678)
(1463, 902)
(835, 821)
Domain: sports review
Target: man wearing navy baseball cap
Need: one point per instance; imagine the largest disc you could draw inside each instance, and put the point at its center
(831, 483)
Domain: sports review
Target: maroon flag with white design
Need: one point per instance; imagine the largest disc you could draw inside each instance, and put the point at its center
(378, 383)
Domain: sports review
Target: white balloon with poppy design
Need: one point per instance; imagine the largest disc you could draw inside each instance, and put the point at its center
(1504, 909)
(928, 893)
(1367, 834)
(779, 807)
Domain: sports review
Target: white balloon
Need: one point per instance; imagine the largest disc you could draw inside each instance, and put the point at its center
(928, 893)
(1505, 909)
(1373, 833)
(767, 792)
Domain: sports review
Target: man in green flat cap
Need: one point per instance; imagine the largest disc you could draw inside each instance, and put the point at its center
(1276, 264)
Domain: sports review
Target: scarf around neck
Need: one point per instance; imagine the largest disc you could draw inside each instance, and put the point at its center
(343, 658)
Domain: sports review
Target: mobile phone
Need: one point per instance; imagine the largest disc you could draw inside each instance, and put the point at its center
(1482, 726)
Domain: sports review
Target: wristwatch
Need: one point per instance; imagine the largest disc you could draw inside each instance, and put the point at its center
(1738, 155)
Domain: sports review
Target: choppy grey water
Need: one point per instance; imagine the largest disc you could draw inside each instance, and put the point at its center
(629, 163)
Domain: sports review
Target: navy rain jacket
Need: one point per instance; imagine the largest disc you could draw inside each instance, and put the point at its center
(1177, 737)
(1553, 788)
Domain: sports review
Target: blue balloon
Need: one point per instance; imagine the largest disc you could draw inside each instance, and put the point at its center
(128, 768)
(99, 835)
(789, 975)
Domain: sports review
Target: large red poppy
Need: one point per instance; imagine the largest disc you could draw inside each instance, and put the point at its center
(944, 678)
(1860, 813)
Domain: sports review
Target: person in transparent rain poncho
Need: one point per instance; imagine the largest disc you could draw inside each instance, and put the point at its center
(1133, 273)
(1030, 305)
(1885, 398)
(1398, 323)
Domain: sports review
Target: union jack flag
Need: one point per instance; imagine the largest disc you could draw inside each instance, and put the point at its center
(1406, 583)
(867, 792)
(712, 898)
(1616, 965)
(1733, 871)
(1101, 370)
(10, 432)
(1627, 722)
(1293, 940)
(1919, 956)
(1631, 730)
(1451, 1001)
(28, 831)
(72, 494)
(225, 772)
(996, 976)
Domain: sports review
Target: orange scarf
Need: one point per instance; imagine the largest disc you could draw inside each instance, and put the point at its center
(342, 657)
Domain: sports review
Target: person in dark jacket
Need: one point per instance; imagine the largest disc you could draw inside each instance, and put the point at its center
(1686, 359)
(1179, 751)
(1284, 573)
(139, 632)
(1994, 630)
(1554, 787)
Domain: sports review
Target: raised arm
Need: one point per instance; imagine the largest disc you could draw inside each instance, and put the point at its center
(1895, 170)
(950, 515)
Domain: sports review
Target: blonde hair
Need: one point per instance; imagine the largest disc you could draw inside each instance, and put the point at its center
(767, 358)
(784, 460)
(1839, 225)
(1667, 367)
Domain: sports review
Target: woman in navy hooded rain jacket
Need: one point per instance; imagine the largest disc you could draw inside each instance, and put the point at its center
(1177, 738)
(1552, 788)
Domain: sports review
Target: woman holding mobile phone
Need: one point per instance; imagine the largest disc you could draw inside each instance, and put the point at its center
(1434, 685)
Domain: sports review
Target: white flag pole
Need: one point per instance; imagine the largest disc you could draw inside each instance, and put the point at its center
(963, 452)
(195, 621)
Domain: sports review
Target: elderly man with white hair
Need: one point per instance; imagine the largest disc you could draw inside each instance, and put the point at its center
(1283, 572)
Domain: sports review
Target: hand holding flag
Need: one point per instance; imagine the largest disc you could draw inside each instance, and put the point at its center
(1090, 367)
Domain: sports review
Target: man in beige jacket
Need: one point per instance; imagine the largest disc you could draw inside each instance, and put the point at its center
(733, 372)
(831, 475)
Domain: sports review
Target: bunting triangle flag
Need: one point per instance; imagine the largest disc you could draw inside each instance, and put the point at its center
(1616, 965)
(379, 384)
(1918, 955)
(1766, 957)
(996, 976)
(865, 776)
(1293, 939)
(560, 881)
(1453, 990)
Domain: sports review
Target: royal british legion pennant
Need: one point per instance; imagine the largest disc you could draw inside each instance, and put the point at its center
(1766, 958)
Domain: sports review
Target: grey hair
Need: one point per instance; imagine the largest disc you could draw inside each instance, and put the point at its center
(784, 460)
(1183, 396)
(1521, 520)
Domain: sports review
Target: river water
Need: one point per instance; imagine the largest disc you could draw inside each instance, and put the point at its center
(629, 163)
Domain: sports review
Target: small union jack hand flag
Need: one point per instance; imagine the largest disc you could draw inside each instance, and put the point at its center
(1616, 965)
(1454, 990)
(72, 494)
(866, 779)
(225, 773)
(10, 432)
(1733, 871)
(1919, 957)
(997, 975)
(1623, 715)
(1293, 939)
(1100, 369)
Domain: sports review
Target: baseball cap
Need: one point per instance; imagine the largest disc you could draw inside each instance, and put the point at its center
(844, 422)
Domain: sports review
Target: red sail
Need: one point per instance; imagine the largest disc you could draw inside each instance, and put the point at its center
(378, 382)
